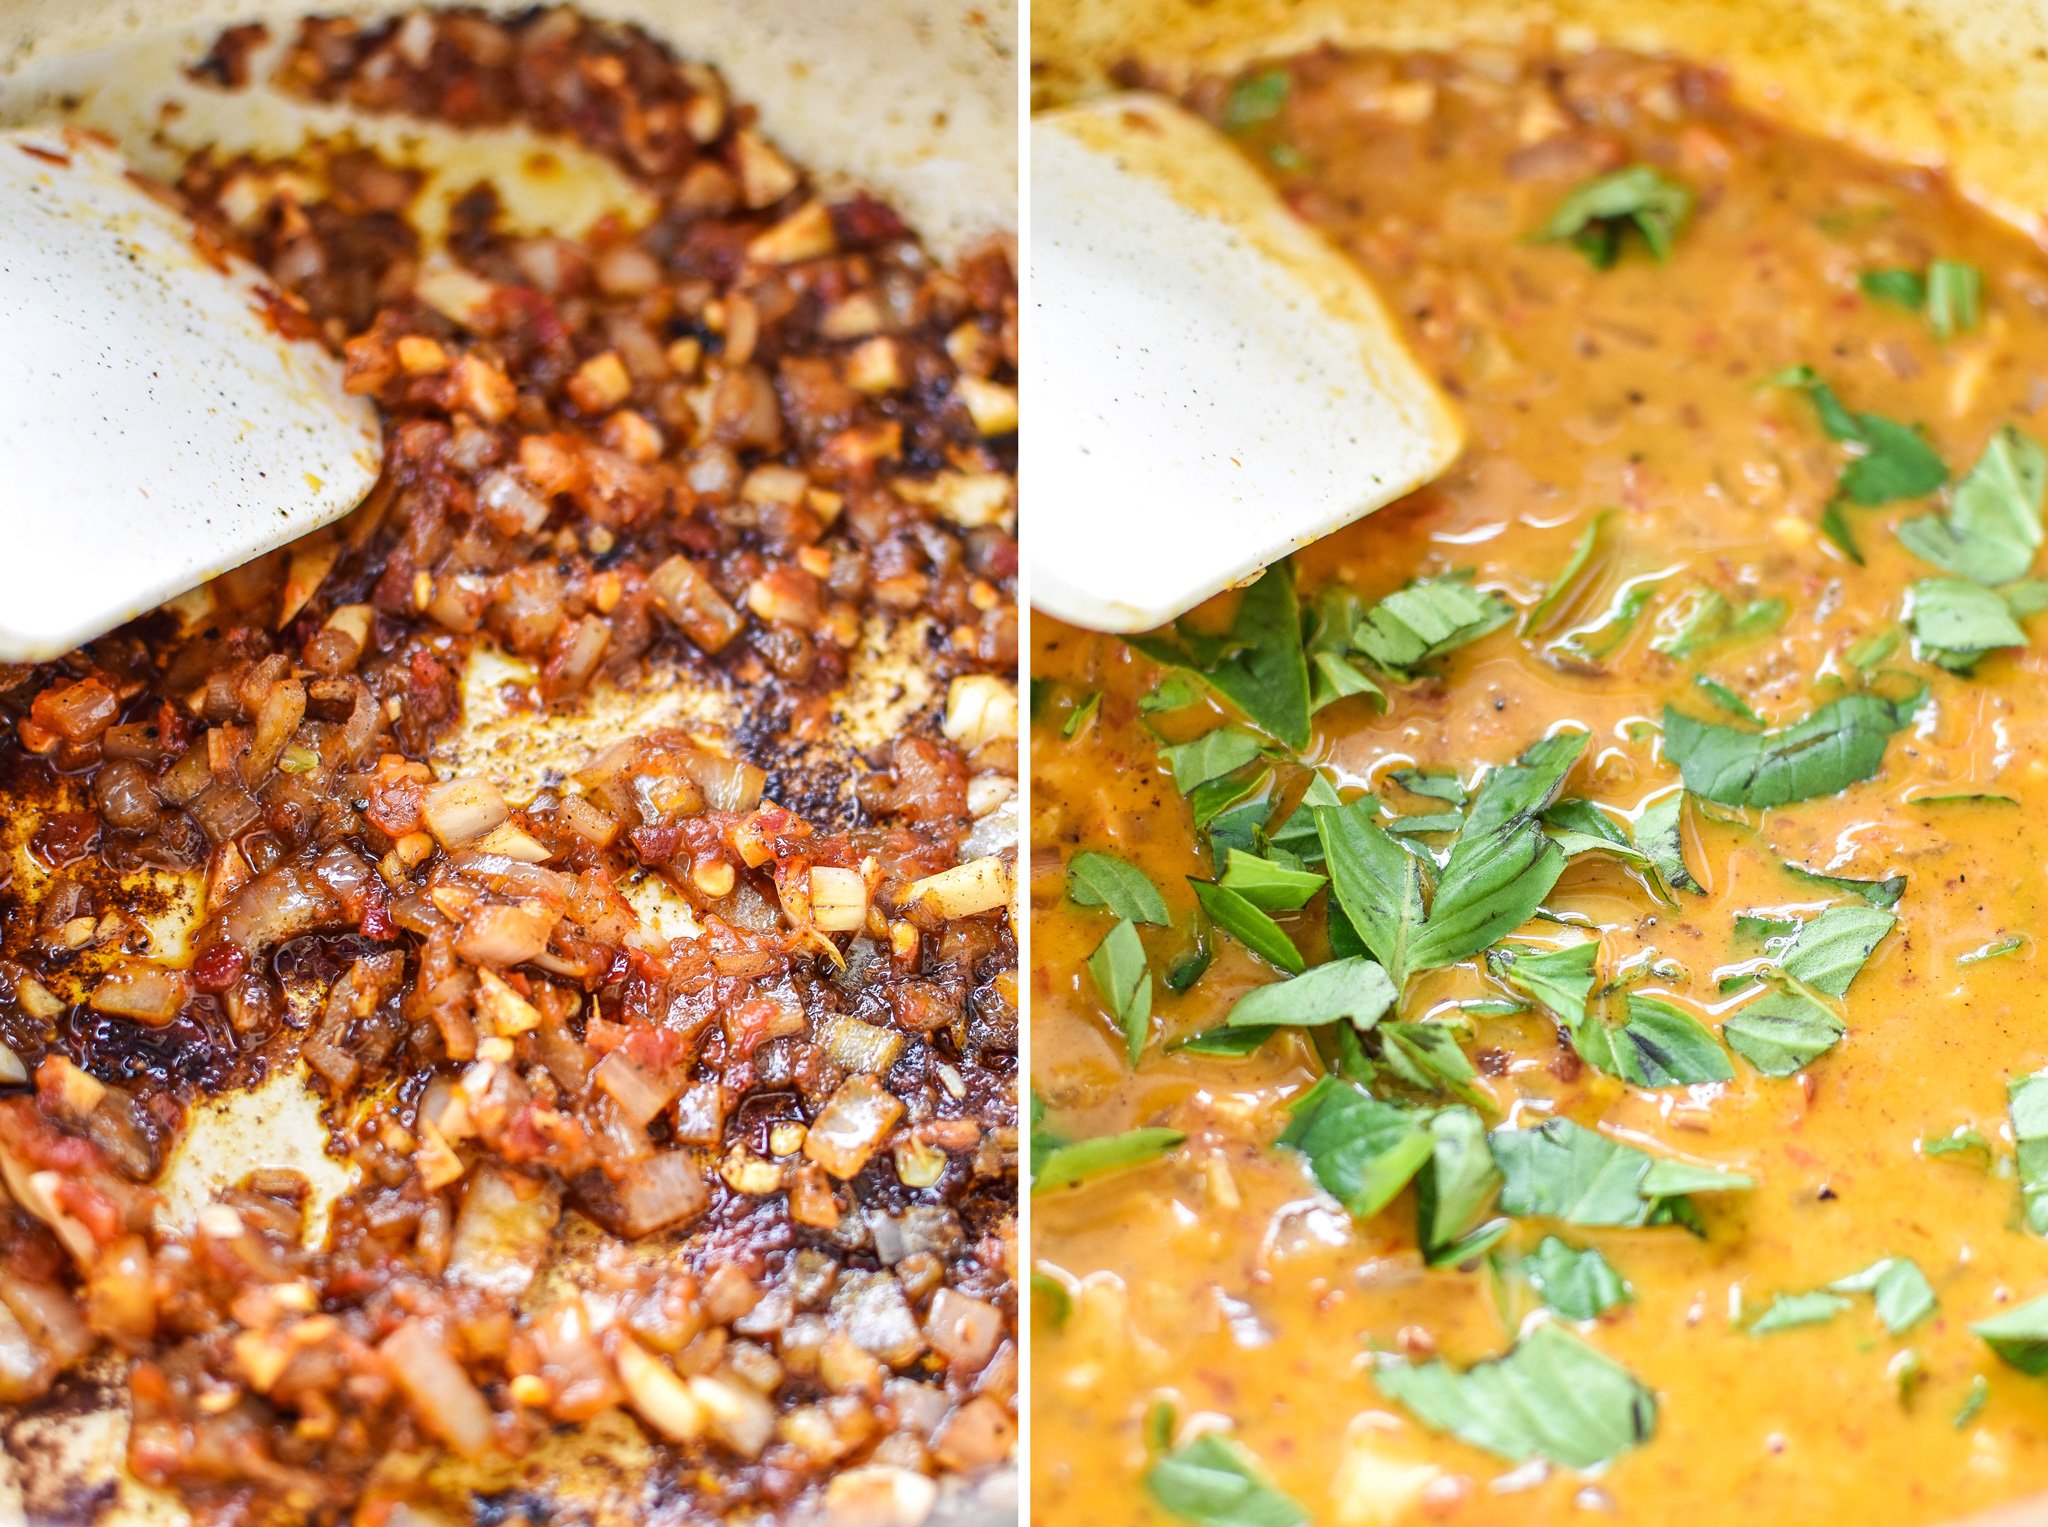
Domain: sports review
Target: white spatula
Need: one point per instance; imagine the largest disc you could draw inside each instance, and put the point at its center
(155, 426)
(1211, 385)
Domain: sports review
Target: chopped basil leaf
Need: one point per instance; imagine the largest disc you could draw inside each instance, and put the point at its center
(1902, 1293)
(1362, 1151)
(1592, 217)
(1660, 832)
(1872, 650)
(1783, 1031)
(1558, 980)
(1426, 822)
(1992, 951)
(1955, 622)
(1993, 525)
(1576, 1282)
(1789, 1310)
(1552, 1396)
(1257, 665)
(1905, 288)
(1563, 585)
(1249, 926)
(1069, 1162)
(1727, 699)
(1269, 886)
(1454, 1188)
(1973, 1402)
(1297, 836)
(1377, 885)
(1224, 1041)
(1096, 879)
(1502, 866)
(2020, 1335)
(1837, 746)
(1211, 756)
(1332, 638)
(1660, 1045)
(1894, 461)
(2027, 1098)
(1233, 811)
(1428, 1057)
(1432, 784)
(1414, 625)
(1213, 1482)
(1960, 1141)
(1082, 714)
(1955, 297)
(1049, 1298)
(1255, 99)
(1829, 951)
(1563, 1171)
(1879, 893)
(1175, 692)
(1124, 979)
(1354, 989)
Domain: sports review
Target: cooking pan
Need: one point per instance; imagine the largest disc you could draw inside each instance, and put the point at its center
(1956, 84)
(914, 100)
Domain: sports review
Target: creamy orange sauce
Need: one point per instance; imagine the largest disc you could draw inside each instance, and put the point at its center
(1219, 1279)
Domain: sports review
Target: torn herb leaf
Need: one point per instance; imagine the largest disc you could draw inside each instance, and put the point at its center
(1659, 1045)
(1577, 1282)
(1417, 624)
(1214, 1482)
(1066, 1163)
(1560, 981)
(1355, 989)
(1830, 950)
(2019, 1336)
(1879, 893)
(1783, 1031)
(1362, 1151)
(1096, 879)
(1993, 525)
(1258, 665)
(1124, 979)
(1592, 218)
(1837, 746)
(1562, 1171)
(1270, 887)
(1899, 1288)
(1552, 1396)
(1211, 756)
(1893, 461)
(1249, 926)
(2027, 1099)
(1955, 622)
(1660, 833)
(1788, 1311)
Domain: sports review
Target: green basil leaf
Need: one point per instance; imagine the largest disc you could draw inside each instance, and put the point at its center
(1249, 926)
(1432, 784)
(1426, 822)
(1576, 1282)
(1905, 288)
(1552, 1397)
(1992, 951)
(1660, 832)
(1973, 1402)
(1902, 1293)
(1837, 746)
(1269, 886)
(1297, 836)
(1362, 1151)
(1502, 866)
(1727, 699)
(1960, 1141)
(1428, 1057)
(1050, 1299)
(1121, 974)
(1176, 691)
(1789, 1310)
(1258, 666)
(1993, 526)
(1559, 1170)
(1955, 622)
(1096, 879)
(1829, 950)
(1077, 1161)
(1224, 1041)
(1083, 713)
(2020, 1335)
(1895, 462)
(2027, 1098)
(1563, 585)
(1592, 216)
(1660, 1045)
(1213, 1482)
(1454, 1186)
(1879, 893)
(1560, 981)
(1872, 650)
(1955, 297)
(1378, 884)
(1835, 420)
(1332, 638)
(1783, 1031)
(1415, 625)
(1255, 99)
(1211, 756)
(1353, 989)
